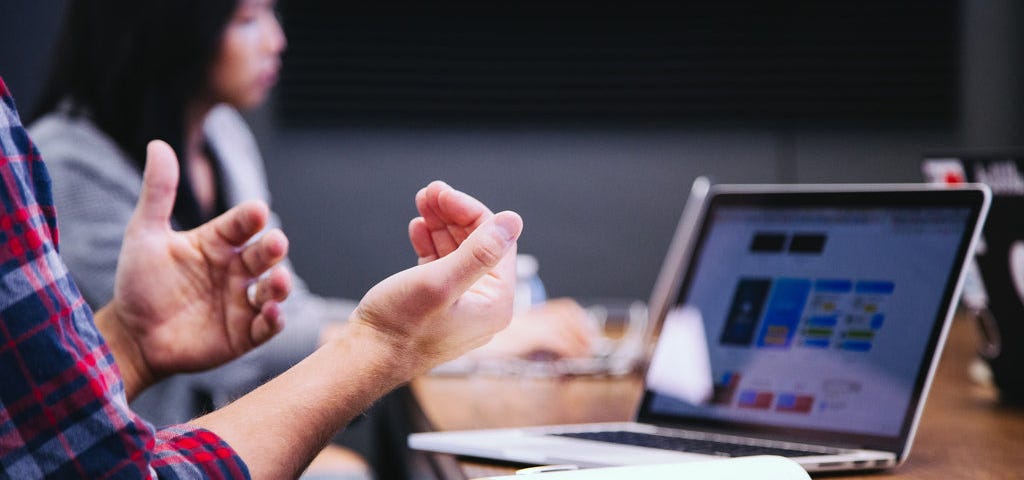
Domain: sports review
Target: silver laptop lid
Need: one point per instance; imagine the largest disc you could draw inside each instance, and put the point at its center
(825, 306)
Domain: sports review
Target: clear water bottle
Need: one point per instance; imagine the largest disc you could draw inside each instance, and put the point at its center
(529, 288)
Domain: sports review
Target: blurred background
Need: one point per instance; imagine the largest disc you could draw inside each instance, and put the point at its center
(592, 118)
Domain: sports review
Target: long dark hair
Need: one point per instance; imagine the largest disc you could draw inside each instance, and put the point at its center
(133, 66)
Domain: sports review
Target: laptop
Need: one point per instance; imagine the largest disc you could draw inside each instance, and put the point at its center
(824, 311)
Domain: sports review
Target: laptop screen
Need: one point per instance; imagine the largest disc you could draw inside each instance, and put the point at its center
(821, 311)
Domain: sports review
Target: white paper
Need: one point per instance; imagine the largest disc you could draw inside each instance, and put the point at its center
(1017, 266)
(680, 366)
(763, 467)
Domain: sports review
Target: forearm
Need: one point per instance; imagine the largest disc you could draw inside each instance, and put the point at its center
(278, 428)
(404, 325)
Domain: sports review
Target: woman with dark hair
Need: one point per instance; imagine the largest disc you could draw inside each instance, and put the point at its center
(125, 73)
(129, 71)
(128, 68)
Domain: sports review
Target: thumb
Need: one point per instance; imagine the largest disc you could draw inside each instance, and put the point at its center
(482, 251)
(159, 185)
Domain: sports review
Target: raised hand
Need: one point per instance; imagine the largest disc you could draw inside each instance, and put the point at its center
(455, 300)
(180, 298)
(461, 293)
(559, 327)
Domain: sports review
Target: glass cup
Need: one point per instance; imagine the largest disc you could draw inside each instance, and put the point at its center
(622, 325)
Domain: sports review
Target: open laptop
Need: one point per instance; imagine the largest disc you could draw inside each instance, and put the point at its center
(824, 309)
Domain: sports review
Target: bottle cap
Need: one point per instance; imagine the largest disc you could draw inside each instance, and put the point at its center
(526, 265)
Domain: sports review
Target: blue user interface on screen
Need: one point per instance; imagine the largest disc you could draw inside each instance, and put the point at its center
(818, 317)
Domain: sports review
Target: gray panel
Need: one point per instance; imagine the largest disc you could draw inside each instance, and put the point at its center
(600, 206)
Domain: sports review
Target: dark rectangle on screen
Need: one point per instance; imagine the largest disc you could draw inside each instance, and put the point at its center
(764, 242)
(807, 243)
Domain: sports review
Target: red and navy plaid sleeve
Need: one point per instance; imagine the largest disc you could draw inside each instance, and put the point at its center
(63, 412)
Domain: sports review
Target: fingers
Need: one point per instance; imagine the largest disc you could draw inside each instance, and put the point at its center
(265, 252)
(159, 186)
(438, 227)
(458, 208)
(238, 225)
(268, 323)
(443, 206)
(447, 217)
(482, 251)
(269, 291)
(561, 347)
(426, 201)
(422, 243)
(577, 323)
(559, 327)
(575, 343)
(272, 287)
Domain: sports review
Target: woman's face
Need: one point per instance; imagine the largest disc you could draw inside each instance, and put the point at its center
(246, 66)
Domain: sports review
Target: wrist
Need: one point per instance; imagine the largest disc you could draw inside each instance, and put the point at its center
(127, 355)
(389, 360)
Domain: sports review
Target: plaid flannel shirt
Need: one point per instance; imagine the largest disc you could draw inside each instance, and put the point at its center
(63, 412)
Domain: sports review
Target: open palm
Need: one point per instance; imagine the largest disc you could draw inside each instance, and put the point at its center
(181, 296)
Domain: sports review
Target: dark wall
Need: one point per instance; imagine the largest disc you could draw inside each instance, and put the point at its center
(992, 73)
(600, 199)
(600, 204)
(590, 118)
(27, 35)
(727, 62)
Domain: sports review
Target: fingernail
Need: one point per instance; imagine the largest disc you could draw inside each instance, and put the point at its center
(509, 224)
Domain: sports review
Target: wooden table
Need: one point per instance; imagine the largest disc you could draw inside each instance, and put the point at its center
(964, 433)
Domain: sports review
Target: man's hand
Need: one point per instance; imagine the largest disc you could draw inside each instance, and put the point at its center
(455, 300)
(559, 327)
(180, 298)
(461, 293)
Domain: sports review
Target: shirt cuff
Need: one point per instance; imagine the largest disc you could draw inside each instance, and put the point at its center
(185, 451)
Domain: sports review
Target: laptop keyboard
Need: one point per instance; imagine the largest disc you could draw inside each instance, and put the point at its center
(691, 445)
